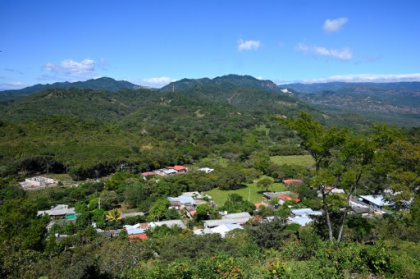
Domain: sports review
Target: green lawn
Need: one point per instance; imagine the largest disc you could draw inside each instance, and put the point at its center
(252, 192)
(301, 160)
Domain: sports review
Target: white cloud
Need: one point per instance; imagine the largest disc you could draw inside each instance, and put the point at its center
(333, 25)
(155, 82)
(367, 78)
(72, 68)
(14, 83)
(248, 45)
(260, 78)
(344, 54)
(302, 47)
(11, 85)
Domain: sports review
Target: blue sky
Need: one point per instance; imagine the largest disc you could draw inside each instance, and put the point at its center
(154, 42)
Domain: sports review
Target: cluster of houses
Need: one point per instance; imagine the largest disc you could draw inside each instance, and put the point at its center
(38, 182)
(187, 204)
(177, 169)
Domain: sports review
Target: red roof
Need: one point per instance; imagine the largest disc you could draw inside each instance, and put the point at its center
(288, 182)
(287, 198)
(258, 204)
(147, 173)
(179, 168)
(140, 236)
(192, 212)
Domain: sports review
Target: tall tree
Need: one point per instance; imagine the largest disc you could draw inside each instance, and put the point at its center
(341, 161)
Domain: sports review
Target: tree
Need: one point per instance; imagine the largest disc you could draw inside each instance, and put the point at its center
(236, 203)
(109, 200)
(340, 160)
(232, 179)
(159, 209)
(265, 182)
(317, 140)
(202, 212)
(268, 234)
(114, 215)
(19, 224)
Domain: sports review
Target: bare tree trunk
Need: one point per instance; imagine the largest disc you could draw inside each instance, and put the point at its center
(327, 214)
(346, 211)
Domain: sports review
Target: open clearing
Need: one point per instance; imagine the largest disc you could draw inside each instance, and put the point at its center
(252, 192)
(301, 160)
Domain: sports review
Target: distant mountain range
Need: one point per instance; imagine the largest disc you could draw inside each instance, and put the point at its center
(333, 86)
(104, 83)
(393, 103)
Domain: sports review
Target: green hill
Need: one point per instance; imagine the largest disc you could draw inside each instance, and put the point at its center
(231, 80)
(103, 83)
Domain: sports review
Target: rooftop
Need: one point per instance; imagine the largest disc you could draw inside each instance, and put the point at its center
(377, 200)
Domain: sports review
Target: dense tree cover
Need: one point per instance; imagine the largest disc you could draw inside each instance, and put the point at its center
(368, 161)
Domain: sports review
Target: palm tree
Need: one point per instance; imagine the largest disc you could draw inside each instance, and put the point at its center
(114, 215)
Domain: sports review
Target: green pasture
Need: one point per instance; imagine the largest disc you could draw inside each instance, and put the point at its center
(301, 160)
(252, 192)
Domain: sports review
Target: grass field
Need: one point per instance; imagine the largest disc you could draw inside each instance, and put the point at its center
(301, 160)
(252, 192)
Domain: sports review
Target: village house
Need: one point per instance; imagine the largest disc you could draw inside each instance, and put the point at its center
(181, 202)
(331, 190)
(37, 182)
(206, 170)
(376, 202)
(169, 224)
(287, 198)
(61, 211)
(233, 218)
(147, 174)
(291, 181)
(222, 229)
(270, 195)
(135, 232)
(179, 169)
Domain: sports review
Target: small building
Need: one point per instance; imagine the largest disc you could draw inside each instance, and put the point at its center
(196, 195)
(61, 211)
(147, 173)
(233, 218)
(258, 204)
(291, 181)
(135, 232)
(169, 224)
(305, 212)
(222, 229)
(377, 202)
(287, 198)
(301, 220)
(270, 195)
(169, 172)
(206, 170)
(37, 182)
(331, 190)
(179, 169)
(182, 202)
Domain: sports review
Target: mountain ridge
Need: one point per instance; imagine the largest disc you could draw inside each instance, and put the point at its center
(103, 83)
(238, 80)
